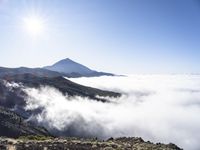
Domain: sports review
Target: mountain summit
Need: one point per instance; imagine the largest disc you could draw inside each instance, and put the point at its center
(68, 66)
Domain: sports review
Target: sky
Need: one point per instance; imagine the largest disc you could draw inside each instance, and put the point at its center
(118, 36)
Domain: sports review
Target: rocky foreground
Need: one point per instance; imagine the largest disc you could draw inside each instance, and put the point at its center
(83, 144)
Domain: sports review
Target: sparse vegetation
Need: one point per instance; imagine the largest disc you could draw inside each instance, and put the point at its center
(43, 142)
(36, 137)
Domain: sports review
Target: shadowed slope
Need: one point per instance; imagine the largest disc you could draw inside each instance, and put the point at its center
(13, 125)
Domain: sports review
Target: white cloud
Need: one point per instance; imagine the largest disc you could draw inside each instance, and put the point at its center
(160, 108)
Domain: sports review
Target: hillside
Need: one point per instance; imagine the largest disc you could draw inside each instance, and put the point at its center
(13, 125)
(65, 86)
(40, 72)
(84, 144)
(15, 97)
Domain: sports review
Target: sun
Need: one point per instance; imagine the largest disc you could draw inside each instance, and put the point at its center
(34, 25)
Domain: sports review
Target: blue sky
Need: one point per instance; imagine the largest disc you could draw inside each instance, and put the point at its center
(119, 36)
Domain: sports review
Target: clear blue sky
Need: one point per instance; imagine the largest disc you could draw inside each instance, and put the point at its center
(119, 36)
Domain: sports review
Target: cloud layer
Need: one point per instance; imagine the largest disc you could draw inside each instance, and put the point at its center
(160, 108)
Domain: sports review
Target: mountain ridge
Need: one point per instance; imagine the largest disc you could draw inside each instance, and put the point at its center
(68, 66)
(23, 70)
(65, 67)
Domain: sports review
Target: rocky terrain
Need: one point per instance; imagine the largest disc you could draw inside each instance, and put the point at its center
(13, 125)
(83, 144)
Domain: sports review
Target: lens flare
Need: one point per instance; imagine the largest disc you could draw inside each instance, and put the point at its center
(34, 25)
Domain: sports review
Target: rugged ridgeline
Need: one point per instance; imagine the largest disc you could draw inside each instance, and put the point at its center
(15, 96)
(84, 144)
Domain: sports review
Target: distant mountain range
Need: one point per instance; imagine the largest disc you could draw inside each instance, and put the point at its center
(65, 67)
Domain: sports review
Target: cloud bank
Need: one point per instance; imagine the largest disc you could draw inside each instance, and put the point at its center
(160, 108)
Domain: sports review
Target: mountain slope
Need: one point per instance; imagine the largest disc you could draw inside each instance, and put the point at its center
(68, 66)
(123, 143)
(15, 98)
(13, 125)
(41, 72)
(65, 86)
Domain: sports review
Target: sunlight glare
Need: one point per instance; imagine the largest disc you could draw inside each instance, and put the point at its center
(34, 25)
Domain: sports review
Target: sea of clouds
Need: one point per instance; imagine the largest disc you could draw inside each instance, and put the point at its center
(159, 108)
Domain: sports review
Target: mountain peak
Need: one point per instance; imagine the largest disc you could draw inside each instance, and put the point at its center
(68, 66)
(66, 60)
